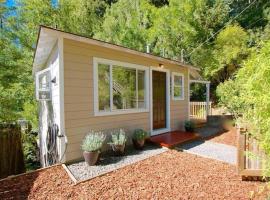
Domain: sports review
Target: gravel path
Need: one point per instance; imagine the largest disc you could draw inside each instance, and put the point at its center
(217, 151)
(108, 162)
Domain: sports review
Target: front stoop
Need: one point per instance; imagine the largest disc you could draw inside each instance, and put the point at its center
(171, 139)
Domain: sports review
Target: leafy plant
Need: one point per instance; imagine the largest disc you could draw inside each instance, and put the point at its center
(139, 134)
(189, 125)
(93, 141)
(118, 137)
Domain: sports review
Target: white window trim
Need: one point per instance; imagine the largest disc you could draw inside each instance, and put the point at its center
(45, 90)
(96, 61)
(183, 86)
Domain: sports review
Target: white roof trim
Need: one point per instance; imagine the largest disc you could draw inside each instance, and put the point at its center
(55, 34)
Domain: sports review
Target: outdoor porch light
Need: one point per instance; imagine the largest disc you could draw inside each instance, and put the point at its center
(161, 66)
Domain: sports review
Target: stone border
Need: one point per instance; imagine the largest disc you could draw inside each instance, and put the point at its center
(71, 176)
(76, 182)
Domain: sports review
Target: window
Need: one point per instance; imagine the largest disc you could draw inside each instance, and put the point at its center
(43, 85)
(119, 87)
(177, 86)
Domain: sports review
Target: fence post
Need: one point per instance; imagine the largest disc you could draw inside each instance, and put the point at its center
(207, 99)
(241, 149)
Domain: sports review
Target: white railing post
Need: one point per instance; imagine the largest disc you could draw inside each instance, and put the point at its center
(207, 99)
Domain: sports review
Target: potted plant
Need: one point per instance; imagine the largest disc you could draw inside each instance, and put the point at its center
(138, 138)
(91, 146)
(189, 126)
(118, 142)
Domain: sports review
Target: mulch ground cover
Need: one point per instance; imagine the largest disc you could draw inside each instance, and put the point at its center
(170, 175)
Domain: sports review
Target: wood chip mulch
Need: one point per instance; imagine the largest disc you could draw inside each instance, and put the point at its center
(228, 137)
(170, 175)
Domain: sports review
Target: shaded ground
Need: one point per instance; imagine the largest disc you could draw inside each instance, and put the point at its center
(170, 175)
(227, 137)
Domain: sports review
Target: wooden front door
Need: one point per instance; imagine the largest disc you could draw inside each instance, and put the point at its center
(159, 99)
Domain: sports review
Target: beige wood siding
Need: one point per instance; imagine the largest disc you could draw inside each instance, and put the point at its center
(79, 100)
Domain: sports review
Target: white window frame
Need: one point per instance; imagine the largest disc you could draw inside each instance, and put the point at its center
(182, 97)
(44, 90)
(97, 112)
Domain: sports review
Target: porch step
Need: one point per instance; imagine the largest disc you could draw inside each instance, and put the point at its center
(173, 138)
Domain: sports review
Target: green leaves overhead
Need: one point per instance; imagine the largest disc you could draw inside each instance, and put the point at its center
(127, 23)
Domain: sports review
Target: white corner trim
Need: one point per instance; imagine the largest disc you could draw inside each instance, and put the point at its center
(168, 113)
(183, 86)
(61, 93)
(96, 61)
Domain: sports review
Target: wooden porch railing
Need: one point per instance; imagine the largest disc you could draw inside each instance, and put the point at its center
(249, 156)
(198, 110)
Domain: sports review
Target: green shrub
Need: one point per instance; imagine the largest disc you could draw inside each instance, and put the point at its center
(139, 134)
(189, 125)
(118, 137)
(93, 141)
(30, 150)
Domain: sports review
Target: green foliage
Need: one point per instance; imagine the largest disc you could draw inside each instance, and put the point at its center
(30, 150)
(249, 95)
(93, 141)
(189, 125)
(126, 23)
(118, 137)
(228, 52)
(228, 93)
(139, 134)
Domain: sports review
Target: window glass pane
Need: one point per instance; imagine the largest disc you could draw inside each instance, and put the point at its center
(177, 91)
(141, 89)
(124, 88)
(104, 87)
(44, 81)
(177, 80)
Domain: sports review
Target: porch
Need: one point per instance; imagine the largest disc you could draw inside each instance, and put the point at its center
(173, 138)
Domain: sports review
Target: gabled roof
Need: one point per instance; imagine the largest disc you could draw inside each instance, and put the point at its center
(47, 38)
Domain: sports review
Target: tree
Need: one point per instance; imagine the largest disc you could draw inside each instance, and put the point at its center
(126, 23)
(248, 94)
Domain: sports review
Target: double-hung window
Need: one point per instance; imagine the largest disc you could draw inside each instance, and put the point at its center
(119, 87)
(177, 86)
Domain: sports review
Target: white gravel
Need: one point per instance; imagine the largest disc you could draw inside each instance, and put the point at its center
(213, 150)
(108, 162)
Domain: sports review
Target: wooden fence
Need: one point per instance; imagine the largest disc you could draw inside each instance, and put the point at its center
(11, 152)
(250, 157)
(198, 110)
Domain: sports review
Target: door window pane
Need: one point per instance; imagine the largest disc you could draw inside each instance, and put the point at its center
(104, 87)
(124, 88)
(141, 89)
(178, 87)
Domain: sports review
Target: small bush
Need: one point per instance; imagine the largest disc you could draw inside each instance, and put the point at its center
(139, 134)
(189, 126)
(93, 141)
(118, 137)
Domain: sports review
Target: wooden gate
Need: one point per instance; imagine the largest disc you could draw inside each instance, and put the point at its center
(250, 156)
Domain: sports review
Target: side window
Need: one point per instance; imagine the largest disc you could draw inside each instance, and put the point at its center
(177, 86)
(43, 85)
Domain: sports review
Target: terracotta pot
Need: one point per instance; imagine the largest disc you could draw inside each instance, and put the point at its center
(138, 144)
(118, 149)
(91, 157)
